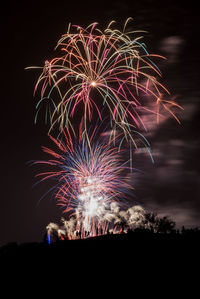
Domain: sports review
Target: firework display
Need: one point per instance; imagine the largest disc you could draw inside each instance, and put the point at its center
(113, 221)
(106, 75)
(101, 71)
(88, 177)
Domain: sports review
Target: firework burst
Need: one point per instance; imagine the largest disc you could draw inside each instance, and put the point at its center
(89, 177)
(101, 71)
(97, 75)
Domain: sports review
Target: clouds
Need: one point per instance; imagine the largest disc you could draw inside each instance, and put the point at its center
(171, 47)
(182, 213)
(170, 186)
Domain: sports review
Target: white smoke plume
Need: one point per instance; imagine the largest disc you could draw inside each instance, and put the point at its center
(113, 220)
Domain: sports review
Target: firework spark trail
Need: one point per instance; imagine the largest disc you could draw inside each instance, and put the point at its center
(108, 65)
(89, 177)
(98, 74)
(113, 220)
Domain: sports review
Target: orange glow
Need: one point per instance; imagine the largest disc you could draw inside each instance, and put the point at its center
(93, 83)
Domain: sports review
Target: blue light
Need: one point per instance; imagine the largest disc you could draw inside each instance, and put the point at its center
(49, 239)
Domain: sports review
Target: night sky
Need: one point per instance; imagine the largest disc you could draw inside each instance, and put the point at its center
(29, 33)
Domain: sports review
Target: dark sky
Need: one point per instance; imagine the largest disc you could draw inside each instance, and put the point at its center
(29, 33)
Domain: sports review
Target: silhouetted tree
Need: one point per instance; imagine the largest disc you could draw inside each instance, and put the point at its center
(158, 225)
(150, 222)
(165, 225)
(183, 229)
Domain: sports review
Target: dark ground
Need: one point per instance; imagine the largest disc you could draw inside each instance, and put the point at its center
(139, 263)
(126, 246)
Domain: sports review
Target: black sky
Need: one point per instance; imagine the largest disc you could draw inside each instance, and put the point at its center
(29, 33)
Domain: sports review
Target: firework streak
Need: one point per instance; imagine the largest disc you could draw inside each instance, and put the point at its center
(108, 66)
(97, 75)
(89, 177)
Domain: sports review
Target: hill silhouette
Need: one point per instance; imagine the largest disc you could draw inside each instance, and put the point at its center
(138, 242)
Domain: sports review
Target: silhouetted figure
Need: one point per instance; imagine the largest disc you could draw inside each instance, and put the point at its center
(129, 231)
(183, 230)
